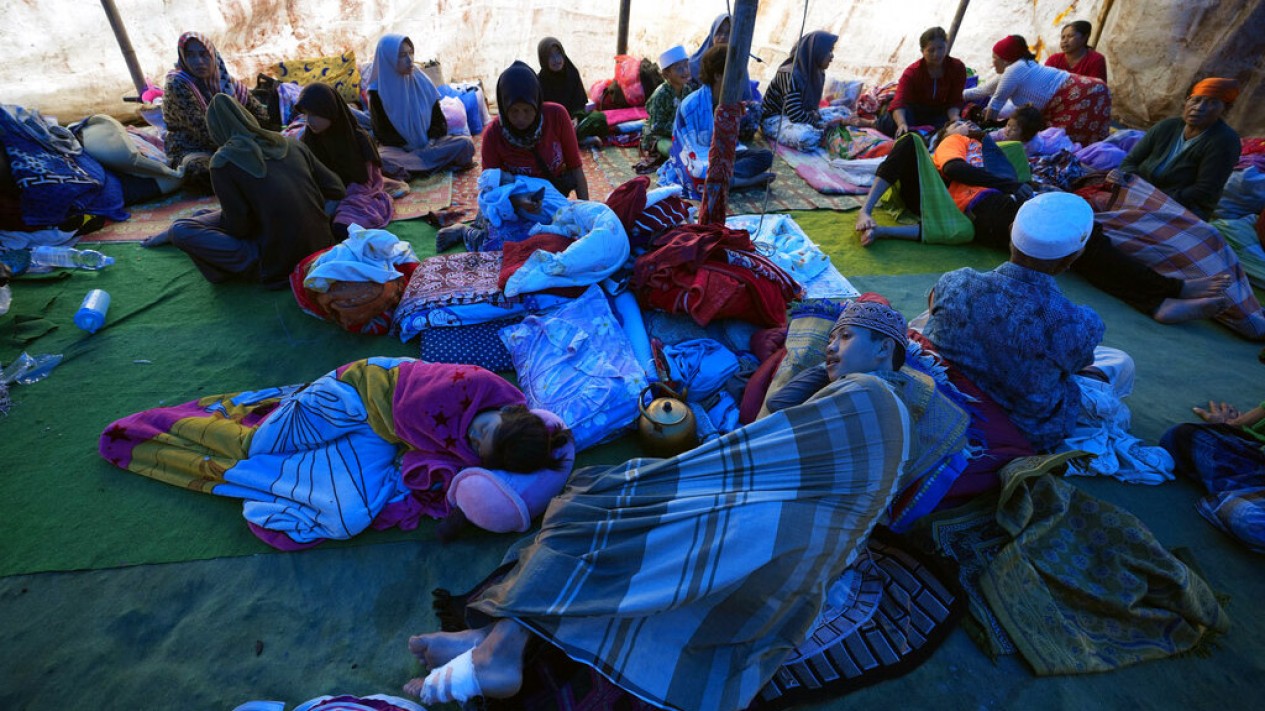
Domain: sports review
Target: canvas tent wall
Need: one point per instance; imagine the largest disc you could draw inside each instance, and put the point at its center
(62, 58)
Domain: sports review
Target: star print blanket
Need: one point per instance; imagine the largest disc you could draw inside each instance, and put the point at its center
(375, 442)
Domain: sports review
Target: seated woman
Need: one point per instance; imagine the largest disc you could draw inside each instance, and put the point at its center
(272, 194)
(661, 107)
(560, 81)
(991, 198)
(1191, 157)
(795, 93)
(1077, 56)
(716, 36)
(338, 142)
(692, 138)
(375, 442)
(407, 119)
(929, 92)
(1079, 105)
(199, 75)
(531, 136)
(717, 557)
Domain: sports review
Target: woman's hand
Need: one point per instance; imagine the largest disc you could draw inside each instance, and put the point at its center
(901, 129)
(1217, 413)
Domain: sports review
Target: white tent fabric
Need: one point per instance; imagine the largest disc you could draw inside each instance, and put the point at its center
(62, 58)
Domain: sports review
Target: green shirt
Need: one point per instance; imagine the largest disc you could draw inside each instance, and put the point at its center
(661, 110)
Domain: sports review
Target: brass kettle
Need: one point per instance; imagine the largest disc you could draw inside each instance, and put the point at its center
(666, 425)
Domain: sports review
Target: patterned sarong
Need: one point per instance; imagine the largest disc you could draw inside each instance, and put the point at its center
(1156, 230)
(1082, 108)
(688, 581)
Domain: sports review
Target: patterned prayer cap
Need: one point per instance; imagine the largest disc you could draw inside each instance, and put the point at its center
(876, 317)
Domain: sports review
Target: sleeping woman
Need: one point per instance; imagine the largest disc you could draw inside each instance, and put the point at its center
(372, 443)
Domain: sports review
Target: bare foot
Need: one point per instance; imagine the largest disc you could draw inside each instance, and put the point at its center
(159, 239)
(498, 662)
(867, 237)
(1182, 310)
(493, 669)
(437, 649)
(1206, 286)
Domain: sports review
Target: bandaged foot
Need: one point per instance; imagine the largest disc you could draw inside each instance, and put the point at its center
(454, 681)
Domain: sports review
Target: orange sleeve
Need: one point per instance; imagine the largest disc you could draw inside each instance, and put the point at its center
(950, 148)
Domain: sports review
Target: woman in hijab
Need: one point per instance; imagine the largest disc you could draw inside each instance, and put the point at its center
(1079, 105)
(719, 34)
(404, 109)
(795, 93)
(560, 81)
(532, 136)
(199, 75)
(272, 194)
(339, 143)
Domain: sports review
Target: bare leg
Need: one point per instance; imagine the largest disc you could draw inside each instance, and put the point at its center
(1181, 310)
(1206, 286)
(909, 232)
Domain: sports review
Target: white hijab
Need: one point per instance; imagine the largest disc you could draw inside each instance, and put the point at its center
(408, 99)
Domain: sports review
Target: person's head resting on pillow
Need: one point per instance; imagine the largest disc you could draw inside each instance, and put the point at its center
(868, 336)
(515, 439)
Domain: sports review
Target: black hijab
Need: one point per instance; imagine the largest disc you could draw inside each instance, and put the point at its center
(344, 147)
(562, 87)
(519, 84)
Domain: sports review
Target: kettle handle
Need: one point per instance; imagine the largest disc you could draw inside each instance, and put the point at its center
(641, 400)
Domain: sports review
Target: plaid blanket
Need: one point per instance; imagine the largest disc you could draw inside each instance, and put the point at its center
(688, 581)
(1155, 229)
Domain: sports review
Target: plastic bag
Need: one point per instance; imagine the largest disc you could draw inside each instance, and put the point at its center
(26, 370)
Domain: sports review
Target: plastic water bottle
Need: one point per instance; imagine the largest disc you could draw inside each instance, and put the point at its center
(91, 314)
(69, 257)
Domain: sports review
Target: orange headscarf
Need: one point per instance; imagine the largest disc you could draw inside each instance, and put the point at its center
(1226, 90)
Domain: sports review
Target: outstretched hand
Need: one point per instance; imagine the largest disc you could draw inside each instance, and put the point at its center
(1217, 413)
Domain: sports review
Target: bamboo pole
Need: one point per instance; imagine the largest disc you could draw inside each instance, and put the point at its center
(957, 24)
(621, 41)
(125, 44)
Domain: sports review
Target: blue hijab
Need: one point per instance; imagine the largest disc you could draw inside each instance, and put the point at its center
(696, 59)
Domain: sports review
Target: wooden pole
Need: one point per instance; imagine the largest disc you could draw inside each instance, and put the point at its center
(125, 44)
(1102, 20)
(957, 24)
(621, 42)
(720, 159)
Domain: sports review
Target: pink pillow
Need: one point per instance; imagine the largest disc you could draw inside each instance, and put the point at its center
(502, 501)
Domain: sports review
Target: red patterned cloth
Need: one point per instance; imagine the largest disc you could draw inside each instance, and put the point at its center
(711, 272)
(517, 253)
(358, 307)
(1157, 231)
(1082, 108)
(644, 224)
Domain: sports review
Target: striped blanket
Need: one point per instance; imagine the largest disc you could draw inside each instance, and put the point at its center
(688, 581)
(1155, 229)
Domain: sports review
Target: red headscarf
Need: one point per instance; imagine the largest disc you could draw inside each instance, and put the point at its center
(1011, 49)
(1226, 90)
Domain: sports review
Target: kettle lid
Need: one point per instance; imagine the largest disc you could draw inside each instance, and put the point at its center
(667, 411)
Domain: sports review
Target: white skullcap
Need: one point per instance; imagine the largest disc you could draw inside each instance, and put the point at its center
(672, 56)
(1052, 225)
